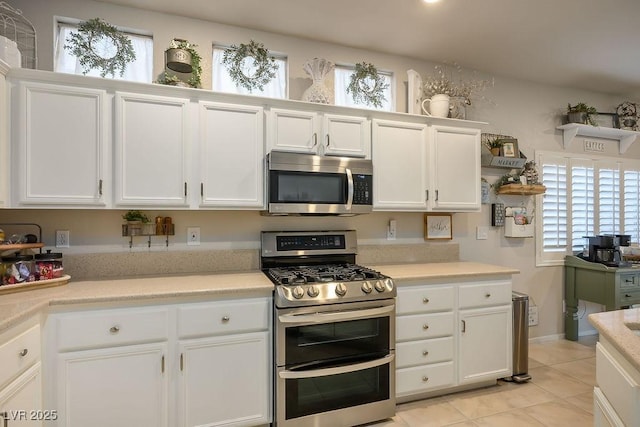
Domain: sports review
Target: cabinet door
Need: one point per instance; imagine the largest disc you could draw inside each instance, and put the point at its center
(151, 145)
(22, 400)
(485, 344)
(225, 381)
(62, 150)
(456, 168)
(4, 139)
(291, 130)
(120, 386)
(231, 156)
(399, 155)
(346, 136)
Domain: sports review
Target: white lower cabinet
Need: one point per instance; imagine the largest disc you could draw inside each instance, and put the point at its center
(451, 335)
(123, 386)
(617, 394)
(191, 364)
(20, 376)
(223, 381)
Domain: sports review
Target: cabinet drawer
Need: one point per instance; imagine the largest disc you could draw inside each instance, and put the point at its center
(423, 326)
(630, 281)
(424, 378)
(484, 294)
(620, 389)
(628, 297)
(19, 353)
(111, 328)
(424, 352)
(223, 317)
(425, 299)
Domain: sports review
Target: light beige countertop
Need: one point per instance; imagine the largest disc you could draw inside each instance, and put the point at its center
(618, 328)
(19, 306)
(441, 270)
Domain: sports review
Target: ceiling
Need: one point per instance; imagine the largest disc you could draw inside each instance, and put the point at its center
(587, 44)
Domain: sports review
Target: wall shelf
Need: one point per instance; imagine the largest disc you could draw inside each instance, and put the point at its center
(147, 230)
(522, 190)
(624, 137)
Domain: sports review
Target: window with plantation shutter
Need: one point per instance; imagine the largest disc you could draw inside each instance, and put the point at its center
(584, 197)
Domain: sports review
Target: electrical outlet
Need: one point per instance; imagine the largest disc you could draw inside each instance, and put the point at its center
(533, 315)
(193, 236)
(62, 238)
(391, 230)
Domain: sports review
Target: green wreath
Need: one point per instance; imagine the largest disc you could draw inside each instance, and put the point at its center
(265, 66)
(366, 85)
(99, 45)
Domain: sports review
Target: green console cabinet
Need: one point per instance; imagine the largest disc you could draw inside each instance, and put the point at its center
(613, 287)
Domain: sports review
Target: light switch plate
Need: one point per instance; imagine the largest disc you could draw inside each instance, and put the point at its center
(482, 233)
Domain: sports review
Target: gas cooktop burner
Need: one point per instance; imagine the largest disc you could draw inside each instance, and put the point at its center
(291, 276)
(318, 267)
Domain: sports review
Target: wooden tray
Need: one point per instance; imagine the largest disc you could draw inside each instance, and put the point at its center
(19, 247)
(27, 286)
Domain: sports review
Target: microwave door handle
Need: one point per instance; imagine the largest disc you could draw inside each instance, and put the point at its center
(349, 190)
(337, 370)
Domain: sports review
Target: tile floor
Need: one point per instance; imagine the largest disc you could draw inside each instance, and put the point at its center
(559, 394)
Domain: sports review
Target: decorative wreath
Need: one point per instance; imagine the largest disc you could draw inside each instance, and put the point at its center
(99, 45)
(366, 85)
(265, 66)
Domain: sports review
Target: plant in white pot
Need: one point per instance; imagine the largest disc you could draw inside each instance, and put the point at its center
(582, 113)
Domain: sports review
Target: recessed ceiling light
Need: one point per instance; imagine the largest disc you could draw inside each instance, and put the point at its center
(431, 1)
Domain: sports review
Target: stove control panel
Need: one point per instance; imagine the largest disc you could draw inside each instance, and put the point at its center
(296, 295)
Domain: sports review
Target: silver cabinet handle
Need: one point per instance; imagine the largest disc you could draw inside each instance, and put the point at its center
(24, 352)
(328, 139)
(225, 319)
(487, 295)
(425, 378)
(464, 326)
(425, 327)
(114, 329)
(315, 140)
(425, 353)
(436, 195)
(425, 300)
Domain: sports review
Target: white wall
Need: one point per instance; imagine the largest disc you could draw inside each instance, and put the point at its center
(528, 111)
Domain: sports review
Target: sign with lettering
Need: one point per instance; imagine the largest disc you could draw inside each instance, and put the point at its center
(594, 146)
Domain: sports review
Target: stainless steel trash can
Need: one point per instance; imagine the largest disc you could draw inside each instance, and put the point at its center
(520, 337)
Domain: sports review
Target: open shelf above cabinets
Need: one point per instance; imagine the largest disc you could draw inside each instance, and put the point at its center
(624, 137)
(522, 189)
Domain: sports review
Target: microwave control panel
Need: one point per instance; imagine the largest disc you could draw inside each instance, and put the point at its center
(362, 185)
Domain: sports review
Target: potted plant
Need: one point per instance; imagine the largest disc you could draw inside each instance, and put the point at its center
(494, 146)
(182, 57)
(135, 219)
(581, 113)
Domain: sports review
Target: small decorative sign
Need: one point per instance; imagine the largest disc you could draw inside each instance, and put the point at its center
(594, 146)
(437, 226)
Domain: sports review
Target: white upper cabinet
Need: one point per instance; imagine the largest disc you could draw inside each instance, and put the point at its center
(315, 133)
(61, 155)
(231, 156)
(151, 148)
(4, 138)
(455, 168)
(400, 165)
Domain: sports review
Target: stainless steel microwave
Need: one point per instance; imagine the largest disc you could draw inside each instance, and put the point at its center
(305, 184)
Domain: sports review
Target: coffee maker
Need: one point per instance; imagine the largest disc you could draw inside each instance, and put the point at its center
(605, 249)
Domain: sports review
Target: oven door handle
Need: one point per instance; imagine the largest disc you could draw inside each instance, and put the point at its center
(335, 316)
(296, 375)
(349, 189)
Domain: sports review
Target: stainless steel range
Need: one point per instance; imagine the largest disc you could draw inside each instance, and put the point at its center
(334, 330)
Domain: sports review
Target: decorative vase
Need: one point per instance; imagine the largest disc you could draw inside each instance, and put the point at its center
(318, 92)
(495, 151)
(438, 106)
(457, 107)
(178, 60)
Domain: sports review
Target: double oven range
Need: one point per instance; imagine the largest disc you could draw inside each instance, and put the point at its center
(334, 331)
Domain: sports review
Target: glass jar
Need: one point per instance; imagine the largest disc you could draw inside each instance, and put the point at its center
(48, 265)
(17, 268)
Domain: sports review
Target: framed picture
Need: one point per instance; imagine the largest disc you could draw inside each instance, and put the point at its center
(437, 226)
(509, 148)
(607, 120)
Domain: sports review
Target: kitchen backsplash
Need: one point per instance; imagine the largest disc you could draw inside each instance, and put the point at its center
(131, 264)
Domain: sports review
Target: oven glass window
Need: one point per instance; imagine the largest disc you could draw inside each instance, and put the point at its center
(307, 396)
(336, 343)
(303, 187)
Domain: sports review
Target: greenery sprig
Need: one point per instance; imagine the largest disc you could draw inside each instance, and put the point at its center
(367, 85)
(590, 113)
(265, 65)
(82, 44)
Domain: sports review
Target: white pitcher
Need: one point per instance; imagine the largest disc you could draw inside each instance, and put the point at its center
(438, 106)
